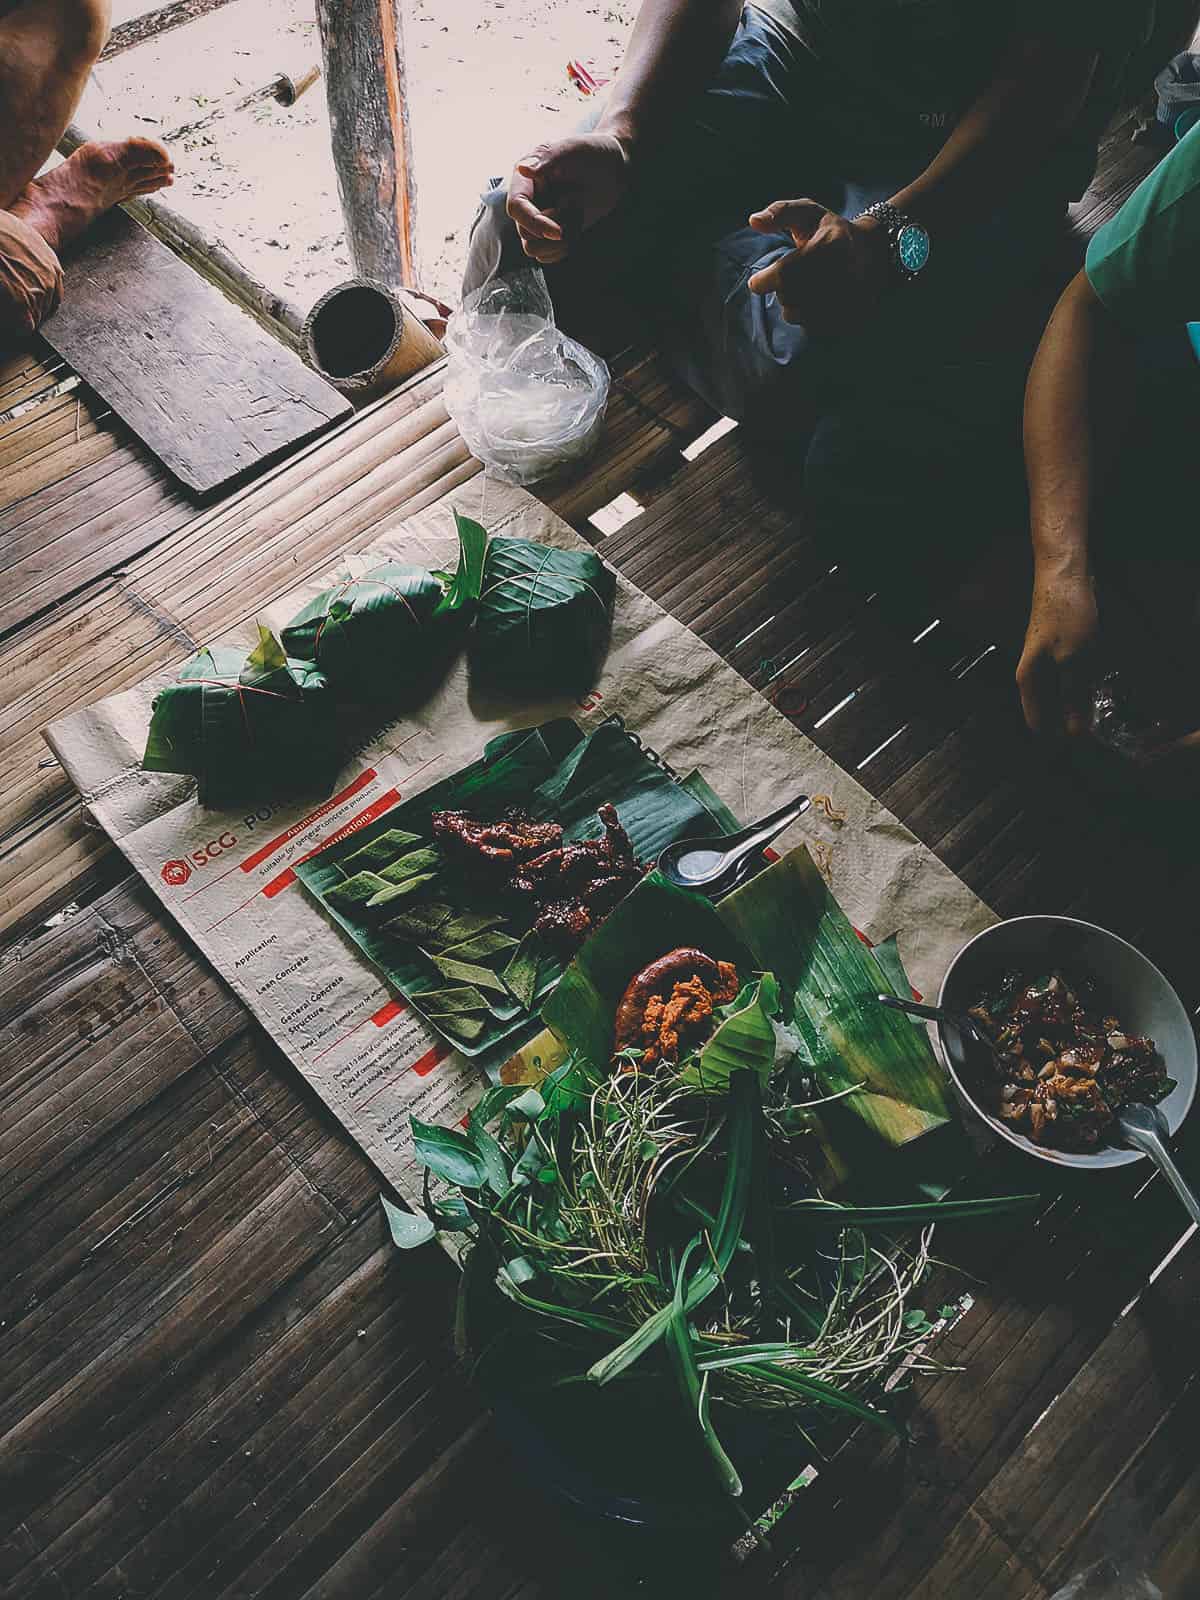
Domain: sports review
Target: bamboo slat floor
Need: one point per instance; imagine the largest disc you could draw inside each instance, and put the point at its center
(219, 1379)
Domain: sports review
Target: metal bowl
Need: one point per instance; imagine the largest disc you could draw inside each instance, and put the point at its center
(1131, 984)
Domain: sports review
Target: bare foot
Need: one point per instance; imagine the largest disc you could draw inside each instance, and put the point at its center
(97, 177)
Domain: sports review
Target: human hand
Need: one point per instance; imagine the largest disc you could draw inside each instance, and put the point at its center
(559, 190)
(1055, 671)
(836, 274)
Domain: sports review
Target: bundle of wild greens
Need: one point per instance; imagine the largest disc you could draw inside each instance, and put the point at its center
(544, 617)
(646, 1209)
(379, 635)
(245, 726)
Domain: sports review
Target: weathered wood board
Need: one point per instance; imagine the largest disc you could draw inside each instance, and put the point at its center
(198, 381)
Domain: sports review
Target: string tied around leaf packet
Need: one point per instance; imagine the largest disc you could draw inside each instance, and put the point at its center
(243, 689)
(352, 583)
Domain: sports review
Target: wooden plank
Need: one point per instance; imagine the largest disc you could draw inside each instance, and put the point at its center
(1044, 1312)
(651, 417)
(208, 256)
(74, 557)
(77, 484)
(216, 1322)
(1039, 1514)
(211, 394)
(64, 416)
(47, 467)
(27, 373)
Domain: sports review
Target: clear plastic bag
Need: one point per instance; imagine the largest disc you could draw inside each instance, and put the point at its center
(1109, 1580)
(527, 399)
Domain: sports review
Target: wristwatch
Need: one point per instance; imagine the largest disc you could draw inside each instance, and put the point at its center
(908, 240)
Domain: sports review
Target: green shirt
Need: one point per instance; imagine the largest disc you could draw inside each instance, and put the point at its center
(1144, 264)
(896, 75)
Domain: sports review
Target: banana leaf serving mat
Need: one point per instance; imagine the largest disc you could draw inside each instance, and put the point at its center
(233, 879)
(554, 773)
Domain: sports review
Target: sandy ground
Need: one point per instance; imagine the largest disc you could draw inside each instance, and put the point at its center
(486, 79)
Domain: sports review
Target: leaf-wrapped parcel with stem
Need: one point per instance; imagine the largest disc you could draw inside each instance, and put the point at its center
(544, 617)
(246, 726)
(378, 635)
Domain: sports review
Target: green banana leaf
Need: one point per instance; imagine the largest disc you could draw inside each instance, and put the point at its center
(544, 617)
(745, 1040)
(786, 922)
(655, 918)
(796, 929)
(378, 636)
(246, 726)
(555, 773)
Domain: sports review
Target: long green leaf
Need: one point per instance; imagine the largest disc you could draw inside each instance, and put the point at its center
(591, 1320)
(468, 580)
(827, 1215)
(731, 1213)
(495, 1163)
(692, 1388)
(826, 1395)
(797, 929)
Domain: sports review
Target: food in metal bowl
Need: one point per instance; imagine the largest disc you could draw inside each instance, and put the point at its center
(1062, 1064)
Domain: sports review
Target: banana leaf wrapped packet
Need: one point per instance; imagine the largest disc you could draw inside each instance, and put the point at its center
(544, 617)
(380, 635)
(246, 726)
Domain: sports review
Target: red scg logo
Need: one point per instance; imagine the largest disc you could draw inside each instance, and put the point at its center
(176, 872)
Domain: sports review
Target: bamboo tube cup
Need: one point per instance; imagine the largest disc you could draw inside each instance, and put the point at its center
(364, 340)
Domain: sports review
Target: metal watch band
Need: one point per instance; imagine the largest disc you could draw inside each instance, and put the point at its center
(895, 222)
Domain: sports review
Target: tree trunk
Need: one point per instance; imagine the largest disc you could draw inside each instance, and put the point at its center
(363, 45)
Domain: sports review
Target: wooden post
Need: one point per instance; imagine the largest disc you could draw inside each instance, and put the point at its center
(363, 45)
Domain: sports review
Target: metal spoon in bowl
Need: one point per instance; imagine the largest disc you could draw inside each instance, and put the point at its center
(1142, 1127)
(713, 865)
(954, 1019)
(1145, 1128)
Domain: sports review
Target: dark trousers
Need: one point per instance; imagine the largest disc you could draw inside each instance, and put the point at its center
(902, 420)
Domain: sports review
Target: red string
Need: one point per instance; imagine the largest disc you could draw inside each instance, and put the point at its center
(349, 584)
(243, 689)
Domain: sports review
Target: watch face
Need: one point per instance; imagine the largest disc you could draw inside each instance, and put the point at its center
(913, 247)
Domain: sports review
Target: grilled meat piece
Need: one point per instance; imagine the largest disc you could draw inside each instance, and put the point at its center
(615, 837)
(564, 924)
(577, 885)
(507, 843)
(603, 893)
(1052, 1037)
(570, 887)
